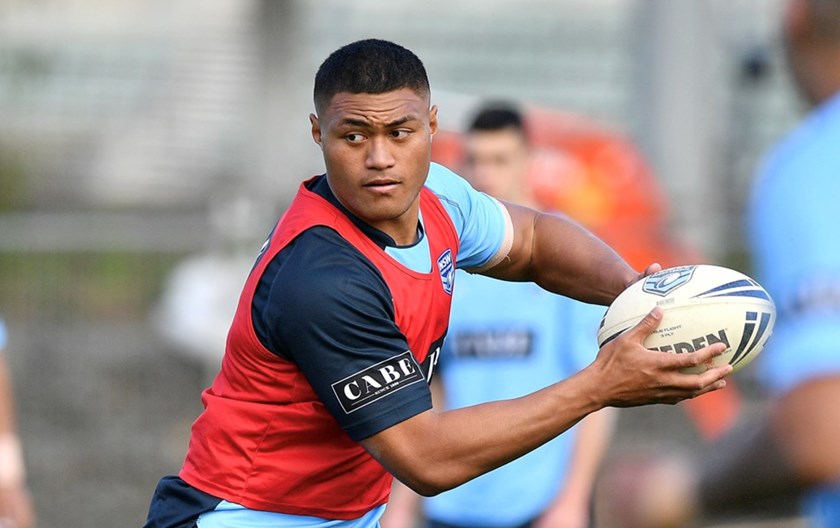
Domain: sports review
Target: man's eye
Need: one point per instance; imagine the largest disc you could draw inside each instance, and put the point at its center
(400, 134)
(354, 138)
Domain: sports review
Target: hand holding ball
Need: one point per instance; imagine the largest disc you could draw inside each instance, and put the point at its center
(701, 305)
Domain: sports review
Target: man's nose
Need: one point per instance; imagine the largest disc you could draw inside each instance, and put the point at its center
(379, 154)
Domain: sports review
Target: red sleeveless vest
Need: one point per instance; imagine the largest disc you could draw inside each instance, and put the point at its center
(265, 440)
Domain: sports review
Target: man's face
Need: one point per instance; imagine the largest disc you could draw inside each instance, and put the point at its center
(377, 150)
(497, 162)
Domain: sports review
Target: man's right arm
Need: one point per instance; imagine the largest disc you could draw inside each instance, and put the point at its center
(436, 451)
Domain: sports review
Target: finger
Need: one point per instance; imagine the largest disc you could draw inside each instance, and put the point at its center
(693, 385)
(717, 385)
(646, 326)
(701, 356)
(715, 374)
(688, 387)
(684, 385)
(651, 269)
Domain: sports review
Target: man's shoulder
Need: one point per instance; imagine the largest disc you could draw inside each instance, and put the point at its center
(482, 223)
(321, 259)
(450, 188)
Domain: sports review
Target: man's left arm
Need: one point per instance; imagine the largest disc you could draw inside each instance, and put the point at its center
(563, 257)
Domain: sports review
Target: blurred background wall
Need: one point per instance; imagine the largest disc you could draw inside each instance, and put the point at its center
(146, 147)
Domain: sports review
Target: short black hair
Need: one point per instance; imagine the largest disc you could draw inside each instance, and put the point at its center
(492, 117)
(369, 66)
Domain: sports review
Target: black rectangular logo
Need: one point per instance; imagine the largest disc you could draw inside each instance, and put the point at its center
(502, 344)
(377, 381)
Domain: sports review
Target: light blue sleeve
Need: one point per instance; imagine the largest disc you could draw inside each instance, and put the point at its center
(482, 222)
(793, 218)
(582, 331)
(3, 335)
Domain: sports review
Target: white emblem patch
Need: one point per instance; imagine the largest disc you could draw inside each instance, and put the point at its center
(447, 270)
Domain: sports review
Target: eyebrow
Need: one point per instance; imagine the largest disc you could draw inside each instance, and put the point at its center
(363, 123)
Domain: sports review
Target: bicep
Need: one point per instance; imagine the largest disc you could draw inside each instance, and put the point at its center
(513, 264)
(562, 257)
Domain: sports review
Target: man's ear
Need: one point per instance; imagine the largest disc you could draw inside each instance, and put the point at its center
(316, 128)
(433, 120)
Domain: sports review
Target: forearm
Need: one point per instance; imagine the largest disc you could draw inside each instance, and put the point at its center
(564, 258)
(568, 259)
(437, 451)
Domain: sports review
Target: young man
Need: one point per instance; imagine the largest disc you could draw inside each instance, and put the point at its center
(494, 354)
(323, 392)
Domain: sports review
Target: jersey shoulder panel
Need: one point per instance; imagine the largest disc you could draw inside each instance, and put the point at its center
(481, 221)
(316, 284)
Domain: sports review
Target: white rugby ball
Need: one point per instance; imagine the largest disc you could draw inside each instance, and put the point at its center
(701, 305)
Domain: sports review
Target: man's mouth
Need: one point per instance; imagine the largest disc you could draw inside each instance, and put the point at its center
(383, 184)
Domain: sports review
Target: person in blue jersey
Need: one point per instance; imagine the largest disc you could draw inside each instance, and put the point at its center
(792, 451)
(15, 505)
(323, 390)
(506, 340)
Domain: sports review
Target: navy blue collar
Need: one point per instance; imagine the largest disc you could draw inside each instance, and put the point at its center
(321, 187)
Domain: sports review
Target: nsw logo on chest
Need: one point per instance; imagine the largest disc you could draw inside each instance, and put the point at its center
(446, 268)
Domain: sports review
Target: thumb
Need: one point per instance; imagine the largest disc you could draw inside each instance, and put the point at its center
(646, 326)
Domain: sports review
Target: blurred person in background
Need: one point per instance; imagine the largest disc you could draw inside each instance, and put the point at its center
(15, 505)
(322, 394)
(792, 451)
(496, 354)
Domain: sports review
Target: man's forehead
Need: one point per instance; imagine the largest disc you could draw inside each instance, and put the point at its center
(398, 101)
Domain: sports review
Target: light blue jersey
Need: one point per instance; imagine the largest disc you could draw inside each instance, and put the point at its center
(229, 515)
(481, 222)
(507, 340)
(793, 219)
